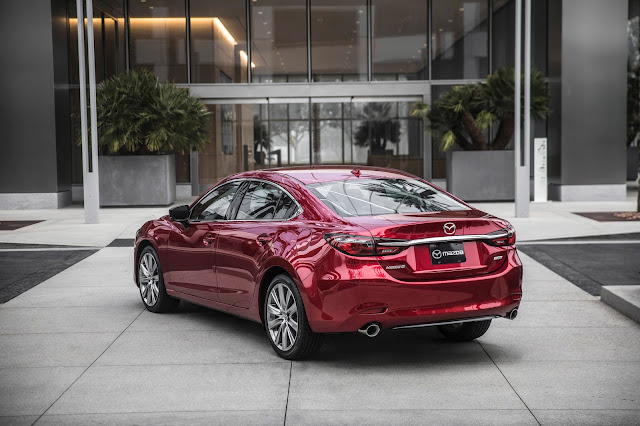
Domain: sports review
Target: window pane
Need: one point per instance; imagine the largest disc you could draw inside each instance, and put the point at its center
(264, 201)
(368, 197)
(460, 39)
(339, 40)
(279, 40)
(157, 38)
(214, 205)
(218, 41)
(400, 50)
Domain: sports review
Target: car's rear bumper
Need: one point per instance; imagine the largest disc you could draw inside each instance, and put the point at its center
(337, 305)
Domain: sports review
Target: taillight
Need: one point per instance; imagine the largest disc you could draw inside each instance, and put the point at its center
(356, 245)
(504, 240)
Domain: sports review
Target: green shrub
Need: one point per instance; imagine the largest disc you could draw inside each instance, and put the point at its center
(138, 114)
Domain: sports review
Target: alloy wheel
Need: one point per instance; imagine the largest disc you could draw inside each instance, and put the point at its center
(282, 317)
(148, 279)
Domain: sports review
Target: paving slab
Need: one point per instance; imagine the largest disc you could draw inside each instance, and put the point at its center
(353, 385)
(164, 388)
(562, 344)
(52, 297)
(18, 420)
(30, 391)
(411, 417)
(565, 314)
(67, 320)
(588, 417)
(575, 385)
(49, 350)
(223, 345)
(204, 418)
(553, 290)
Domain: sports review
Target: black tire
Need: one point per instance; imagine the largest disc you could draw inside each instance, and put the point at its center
(163, 302)
(306, 342)
(465, 331)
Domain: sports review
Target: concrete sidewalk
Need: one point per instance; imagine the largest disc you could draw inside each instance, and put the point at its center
(79, 348)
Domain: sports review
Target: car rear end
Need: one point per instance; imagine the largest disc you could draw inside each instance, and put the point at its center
(412, 255)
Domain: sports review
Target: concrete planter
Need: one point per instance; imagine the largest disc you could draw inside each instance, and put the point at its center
(481, 175)
(137, 180)
(632, 163)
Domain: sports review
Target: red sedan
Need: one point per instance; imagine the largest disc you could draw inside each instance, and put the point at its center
(315, 250)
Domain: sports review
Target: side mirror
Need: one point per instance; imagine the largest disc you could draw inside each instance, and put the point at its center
(180, 213)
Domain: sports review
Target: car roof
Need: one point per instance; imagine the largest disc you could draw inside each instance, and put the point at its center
(315, 174)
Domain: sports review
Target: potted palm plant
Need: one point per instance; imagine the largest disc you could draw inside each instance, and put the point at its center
(475, 124)
(141, 124)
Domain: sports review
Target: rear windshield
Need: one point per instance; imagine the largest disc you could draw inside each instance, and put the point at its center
(368, 197)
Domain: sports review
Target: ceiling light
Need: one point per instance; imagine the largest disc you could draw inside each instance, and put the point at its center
(259, 12)
(360, 11)
(461, 9)
(357, 22)
(268, 32)
(151, 7)
(450, 20)
(224, 31)
(277, 53)
(440, 29)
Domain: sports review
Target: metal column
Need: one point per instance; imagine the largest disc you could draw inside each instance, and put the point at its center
(522, 142)
(90, 178)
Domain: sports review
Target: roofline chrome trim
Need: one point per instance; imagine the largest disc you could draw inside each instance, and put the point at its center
(453, 238)
(459, 321)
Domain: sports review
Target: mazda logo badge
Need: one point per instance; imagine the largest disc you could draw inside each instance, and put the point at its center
(437, 254)
(449, 228)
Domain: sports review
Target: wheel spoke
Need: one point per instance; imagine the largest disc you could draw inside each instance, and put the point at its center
(285, 335)
(294, 325)
(144, 288)
(274, 297)
(283, 301)
(273, 310)
(274, 323)
(290, 335)
(292, 309)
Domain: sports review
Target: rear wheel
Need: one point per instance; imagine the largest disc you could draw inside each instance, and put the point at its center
(285, 321)
(151, 284)
(465, 331)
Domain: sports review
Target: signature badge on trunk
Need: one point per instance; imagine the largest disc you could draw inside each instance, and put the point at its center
(443, 253)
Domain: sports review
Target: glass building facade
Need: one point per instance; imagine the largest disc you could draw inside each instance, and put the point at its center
(294, 82)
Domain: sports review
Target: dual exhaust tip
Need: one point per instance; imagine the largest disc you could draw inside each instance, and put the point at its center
(513, 314)
(370, 330)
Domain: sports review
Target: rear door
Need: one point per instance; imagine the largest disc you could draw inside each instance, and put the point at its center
(244, 243)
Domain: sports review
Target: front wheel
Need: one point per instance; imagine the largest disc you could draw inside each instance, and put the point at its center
(151, 284)
(465, 331)
(285, 321)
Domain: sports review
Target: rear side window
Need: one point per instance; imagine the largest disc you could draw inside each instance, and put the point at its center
(215, 204)
(263, 201)
(369, 197)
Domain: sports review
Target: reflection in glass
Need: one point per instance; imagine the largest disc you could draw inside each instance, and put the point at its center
(460, 39)
(279, 40)
(231, 149)
(339, 40)
(157, 38)
(218, 41)
(399, 40)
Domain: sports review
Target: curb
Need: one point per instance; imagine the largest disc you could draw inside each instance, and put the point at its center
(623, 298)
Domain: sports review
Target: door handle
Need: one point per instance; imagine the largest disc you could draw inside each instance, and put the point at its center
(208, 239)
(264, 238)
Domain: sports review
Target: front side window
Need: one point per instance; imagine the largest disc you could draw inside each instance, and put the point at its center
(369, 197)
(264, 201)
(215, 204)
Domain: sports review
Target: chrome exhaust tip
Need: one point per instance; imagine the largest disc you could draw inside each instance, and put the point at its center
(370, 330)
(513, 314)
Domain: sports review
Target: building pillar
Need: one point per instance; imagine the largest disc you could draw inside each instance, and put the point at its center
(587, 79)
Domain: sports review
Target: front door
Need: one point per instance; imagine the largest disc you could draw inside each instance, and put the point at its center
(192, 246)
